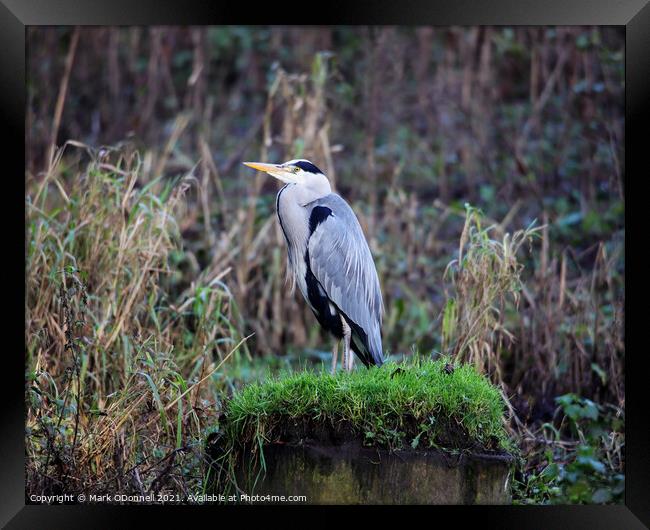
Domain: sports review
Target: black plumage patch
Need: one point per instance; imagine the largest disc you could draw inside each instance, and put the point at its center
(317, 216)
(320, 303)
(330, 319)
(359, 342)
(277, 211)
(307, 166)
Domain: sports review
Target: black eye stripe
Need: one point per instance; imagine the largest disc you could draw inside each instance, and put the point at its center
(307, 166)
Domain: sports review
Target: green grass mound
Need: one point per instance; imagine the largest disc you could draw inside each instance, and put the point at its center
(422, 405)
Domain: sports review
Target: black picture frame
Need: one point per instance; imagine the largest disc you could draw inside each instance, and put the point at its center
(16, 15)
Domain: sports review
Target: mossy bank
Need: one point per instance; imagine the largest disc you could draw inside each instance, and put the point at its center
(421, 406)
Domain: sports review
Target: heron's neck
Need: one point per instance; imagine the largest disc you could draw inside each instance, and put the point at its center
(294, 220)
(313, 187)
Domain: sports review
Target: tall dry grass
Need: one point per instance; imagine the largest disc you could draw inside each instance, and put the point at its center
(485, 276)
(120, 354)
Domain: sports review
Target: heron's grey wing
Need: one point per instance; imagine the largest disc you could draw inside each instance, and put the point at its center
(341, 261)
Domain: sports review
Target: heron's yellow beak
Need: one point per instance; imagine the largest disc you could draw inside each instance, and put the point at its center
(277, 171)
(267, 168)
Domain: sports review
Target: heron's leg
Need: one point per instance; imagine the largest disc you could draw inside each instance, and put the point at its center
(350, 360)
(347, 332)
(335, 354)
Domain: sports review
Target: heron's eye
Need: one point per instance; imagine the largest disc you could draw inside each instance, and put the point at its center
(295, 169)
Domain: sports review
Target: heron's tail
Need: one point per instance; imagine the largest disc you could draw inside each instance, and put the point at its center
(368, 349)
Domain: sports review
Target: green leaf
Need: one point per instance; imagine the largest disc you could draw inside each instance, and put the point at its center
(156, 395)
(589, 410)
(571, 219)
(179, 423)
(600, 372)
(449, 320)
(601, 496)
(550, 472)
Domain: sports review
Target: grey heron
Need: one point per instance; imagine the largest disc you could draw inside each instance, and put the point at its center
(329, 259)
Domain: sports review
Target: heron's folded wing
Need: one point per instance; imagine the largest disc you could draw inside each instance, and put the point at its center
(341, 261)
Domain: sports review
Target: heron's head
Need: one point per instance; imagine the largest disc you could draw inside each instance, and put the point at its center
(301, 172)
